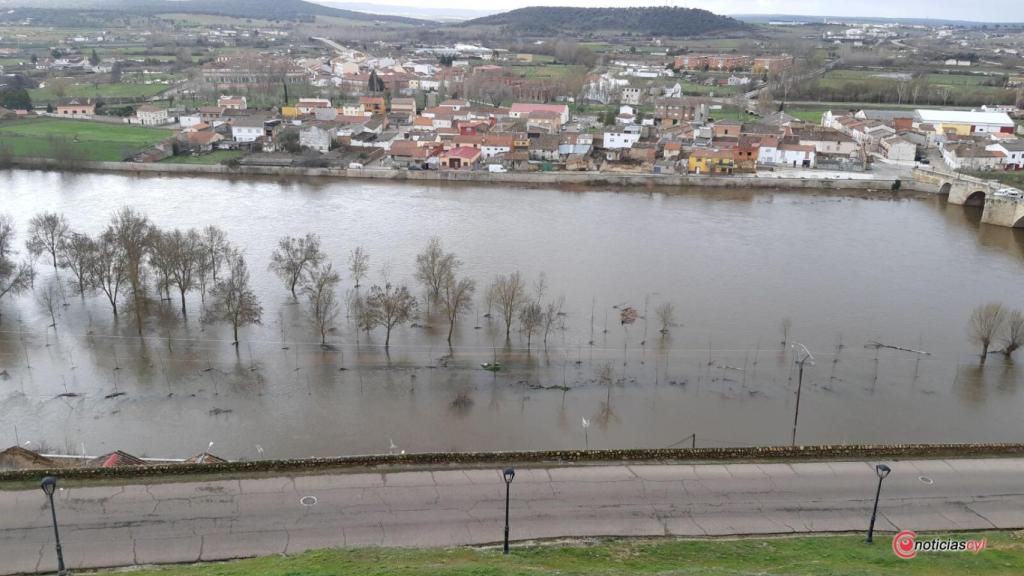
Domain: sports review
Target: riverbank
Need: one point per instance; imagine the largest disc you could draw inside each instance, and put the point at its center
(825, 181)
(817, 555)
(163, 472)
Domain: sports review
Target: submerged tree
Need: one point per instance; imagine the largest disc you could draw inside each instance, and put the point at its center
(531, 317)
(457, 297)
(358, 264)
(434, 267)
(76, 254)
(216, 247)
(985, 323)
(46, 231)
(666, 313)
(552, 316)
(390, 306)
(107, 268)
(294, 257)
(509, 293)
(234, 299)
(1015, 332)
(133, 234)
(15, 277)
(187, 255)
(319, 287)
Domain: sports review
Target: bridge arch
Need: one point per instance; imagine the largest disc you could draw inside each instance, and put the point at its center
(1019, 223)
(976, 198)
(945, 188)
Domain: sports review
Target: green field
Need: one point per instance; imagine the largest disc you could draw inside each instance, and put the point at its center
(808, 556)
(552, 71)
(77, 139)
(215, 157)
(119, 90)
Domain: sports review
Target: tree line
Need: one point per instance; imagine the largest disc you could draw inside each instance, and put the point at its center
(133, 262)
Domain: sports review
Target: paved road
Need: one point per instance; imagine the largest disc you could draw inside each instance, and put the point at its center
(184, 522)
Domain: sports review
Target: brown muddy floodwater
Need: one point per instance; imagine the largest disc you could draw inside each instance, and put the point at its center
(845, 270)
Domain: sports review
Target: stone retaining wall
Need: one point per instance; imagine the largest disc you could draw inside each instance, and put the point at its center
(521, 178)
(552, 458)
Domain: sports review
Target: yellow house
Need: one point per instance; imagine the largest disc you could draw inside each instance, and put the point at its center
(703, 161)
(289, 111)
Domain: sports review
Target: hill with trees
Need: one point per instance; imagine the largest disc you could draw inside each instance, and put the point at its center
(653, 21)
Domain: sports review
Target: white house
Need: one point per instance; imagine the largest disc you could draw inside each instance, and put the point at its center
(308, 105)
(232, 102)
(1013, 151)
(189, 120)
(317, 136)
(151, 115)
(247, 129)
(899, 149)
(625, 139)
(797, 155)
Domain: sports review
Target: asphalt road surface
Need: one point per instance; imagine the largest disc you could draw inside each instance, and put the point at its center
(185, 522)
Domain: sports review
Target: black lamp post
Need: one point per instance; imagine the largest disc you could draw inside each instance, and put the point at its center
(805, 357)
(49, 486)
(509, 474)
(882, 471)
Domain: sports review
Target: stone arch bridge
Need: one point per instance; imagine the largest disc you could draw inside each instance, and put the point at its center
(997, 209)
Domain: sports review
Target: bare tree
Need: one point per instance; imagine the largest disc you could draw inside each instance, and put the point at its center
(509, 293)
(76, 253)
(985, 323)
(434, 267)
(319, 287)
(366, 316)
(1015, 332)
(457, 296)
(215, 243)
(294, 257)
(161, 260)
(531, 317)
(358, 264)
(391, 305)
(107, 268)
(666, 313)
(14, 277)
(50, 302)
(187, 254)
(46, 231)
(234, 300)
(133, 233)
(552, 316)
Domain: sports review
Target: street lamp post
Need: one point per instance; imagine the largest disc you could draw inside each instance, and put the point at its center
(49, 486)
(882, 471)
(509, 474)
(806, 357)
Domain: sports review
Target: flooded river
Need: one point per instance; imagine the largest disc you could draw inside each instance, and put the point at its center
(845, 271)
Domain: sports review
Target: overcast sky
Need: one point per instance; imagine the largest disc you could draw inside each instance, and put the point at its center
(977, 10)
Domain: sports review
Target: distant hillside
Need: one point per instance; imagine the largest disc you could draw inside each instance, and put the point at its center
(765, 18)
(259, 9)
(660, 21)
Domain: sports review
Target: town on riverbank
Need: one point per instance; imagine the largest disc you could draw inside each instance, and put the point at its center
(248, 93)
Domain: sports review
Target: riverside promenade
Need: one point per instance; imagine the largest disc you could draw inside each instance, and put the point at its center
(126, 523)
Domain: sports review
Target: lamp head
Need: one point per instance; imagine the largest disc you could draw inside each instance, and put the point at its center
(882, 470)
(49, 485)
(509, 474)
